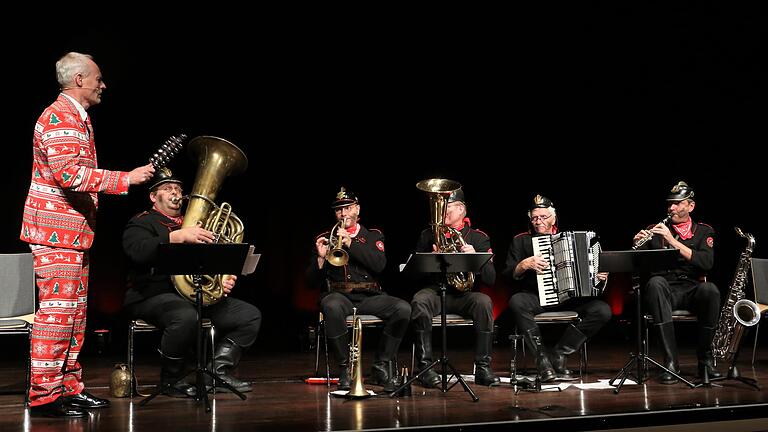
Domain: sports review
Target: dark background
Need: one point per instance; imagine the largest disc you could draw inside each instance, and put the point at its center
(601, 108)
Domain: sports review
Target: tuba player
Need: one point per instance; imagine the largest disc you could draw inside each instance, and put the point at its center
(467, 303)
(153, 298)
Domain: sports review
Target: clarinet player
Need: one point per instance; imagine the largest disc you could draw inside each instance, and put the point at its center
(685, 286)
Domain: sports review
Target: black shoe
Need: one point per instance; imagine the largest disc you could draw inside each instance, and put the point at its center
(430, 378)
(85, 400)
(56, 409)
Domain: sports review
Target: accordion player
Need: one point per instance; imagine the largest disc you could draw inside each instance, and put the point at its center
(573, 263)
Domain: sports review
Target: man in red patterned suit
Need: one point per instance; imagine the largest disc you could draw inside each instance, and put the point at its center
(58, 223)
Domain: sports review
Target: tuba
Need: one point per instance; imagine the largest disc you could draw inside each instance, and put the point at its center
(738, 313)
(447, 239)
(217, 159)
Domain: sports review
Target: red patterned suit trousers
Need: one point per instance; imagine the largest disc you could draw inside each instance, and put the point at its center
(61, 276)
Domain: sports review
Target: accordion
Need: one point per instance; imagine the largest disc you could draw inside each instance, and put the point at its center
(573, 262)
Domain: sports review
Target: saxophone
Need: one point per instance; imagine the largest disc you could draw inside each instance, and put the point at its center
(738, 313)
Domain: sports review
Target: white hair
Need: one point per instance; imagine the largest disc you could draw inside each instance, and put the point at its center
(71, 64)
(552, 211)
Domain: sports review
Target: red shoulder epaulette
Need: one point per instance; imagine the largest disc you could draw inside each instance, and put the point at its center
(522, 233)
(481, 232)
(706, 225)
(376, 229)
(142, 214)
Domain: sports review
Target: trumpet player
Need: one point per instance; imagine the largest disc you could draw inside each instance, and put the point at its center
(347, 261)
(685, 286)
(153, 298)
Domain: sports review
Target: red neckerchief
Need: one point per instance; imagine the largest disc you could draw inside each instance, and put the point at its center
(354, 232)
(684, 229)
(177, 219)
(459, 227)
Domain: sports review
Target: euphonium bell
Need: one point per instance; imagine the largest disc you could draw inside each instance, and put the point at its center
(336, 254)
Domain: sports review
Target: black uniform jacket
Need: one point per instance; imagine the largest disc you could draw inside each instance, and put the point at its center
(520, 249)
(366, 261)
(703, 257)
(142, 235)
(477, 238)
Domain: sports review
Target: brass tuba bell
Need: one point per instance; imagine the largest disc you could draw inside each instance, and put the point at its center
(217, 159)
(447, 239)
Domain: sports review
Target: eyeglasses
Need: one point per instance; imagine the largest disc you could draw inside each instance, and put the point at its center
(541, 218)
(170, 188)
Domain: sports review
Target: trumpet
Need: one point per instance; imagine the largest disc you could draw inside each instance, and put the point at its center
(643, 240)
(336, 254)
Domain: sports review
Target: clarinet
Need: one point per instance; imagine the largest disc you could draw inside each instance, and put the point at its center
(643, 240)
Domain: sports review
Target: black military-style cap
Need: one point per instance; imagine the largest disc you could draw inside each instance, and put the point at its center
(540, 201)
(457, 195)
(681, 191)
(162, 176)
(344, 198)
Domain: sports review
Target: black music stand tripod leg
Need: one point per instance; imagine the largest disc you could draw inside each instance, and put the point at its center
(201, 370)
(443, 360)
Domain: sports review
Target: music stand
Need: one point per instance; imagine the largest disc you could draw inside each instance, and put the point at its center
(434, 262)
(639, 261)
(202, 259)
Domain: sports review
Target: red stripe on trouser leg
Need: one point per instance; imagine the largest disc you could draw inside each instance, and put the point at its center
(61, 276)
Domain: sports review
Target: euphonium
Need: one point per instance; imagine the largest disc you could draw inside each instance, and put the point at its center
(356, 389)
(336, 254)
(447, 239)
(738, 313)
(643, 240)
(217, 159)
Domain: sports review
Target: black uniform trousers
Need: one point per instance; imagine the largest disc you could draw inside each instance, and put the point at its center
(235, 319)
(475, 305)
(594, 313)
(661, 297)
(336, 306)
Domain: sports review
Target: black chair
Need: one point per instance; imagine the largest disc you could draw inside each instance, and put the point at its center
(560, 317)
(17, 308)
(141, 326)
(760, 285)
(368, 321)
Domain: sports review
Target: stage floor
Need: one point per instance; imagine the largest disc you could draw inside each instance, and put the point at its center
(281, 401)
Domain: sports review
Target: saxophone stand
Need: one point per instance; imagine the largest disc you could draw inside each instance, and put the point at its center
(444, 263)
(733, 373)
(639, 261)
(197, 260)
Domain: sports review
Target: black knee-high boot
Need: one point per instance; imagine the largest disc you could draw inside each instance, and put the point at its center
(704, 353)
(483, 373)
(668, 344)
(384, 369)
(569, 343)
(339, 347)
(533, 338)
(226, 357)
(423, 346)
